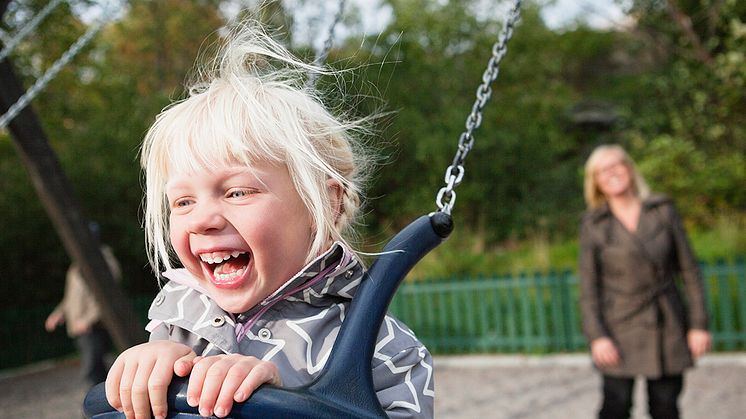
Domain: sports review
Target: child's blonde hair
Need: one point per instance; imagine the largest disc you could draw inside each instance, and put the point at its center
(594, 198)
(253, 105)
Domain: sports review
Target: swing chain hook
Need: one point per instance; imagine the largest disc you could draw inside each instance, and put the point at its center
(455, 172)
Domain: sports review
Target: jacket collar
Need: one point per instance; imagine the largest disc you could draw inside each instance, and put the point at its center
(334, 274)
(597, 214)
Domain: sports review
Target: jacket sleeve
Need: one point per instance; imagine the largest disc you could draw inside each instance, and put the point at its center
(404, 384)
(590, 284)
(686, 264)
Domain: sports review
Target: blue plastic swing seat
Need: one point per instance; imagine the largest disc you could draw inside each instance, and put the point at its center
(344, 388)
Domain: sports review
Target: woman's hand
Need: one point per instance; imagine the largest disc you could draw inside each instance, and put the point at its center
(138, 381)
(699, 342)
(55, 319)
(604, 352)
(217, 381)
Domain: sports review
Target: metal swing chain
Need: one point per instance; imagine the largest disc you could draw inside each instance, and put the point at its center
(30, 26)
(324, 52)
(51, 73)
(454, 174)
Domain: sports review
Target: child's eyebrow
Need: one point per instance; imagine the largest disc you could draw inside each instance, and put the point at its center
(173, 185)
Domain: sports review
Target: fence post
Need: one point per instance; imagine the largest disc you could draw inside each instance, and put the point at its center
(739, 272)
(543, 340)
(525, 311)
(481, 296)
(724, 300)
(567, 307)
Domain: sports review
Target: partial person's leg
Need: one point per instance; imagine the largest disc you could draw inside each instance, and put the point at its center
(93, 347)
(84, 343)
(617, 393)
(100, 347)
(663, 396)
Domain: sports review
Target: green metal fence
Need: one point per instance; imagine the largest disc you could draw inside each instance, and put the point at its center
(539, 313)
(530, 313)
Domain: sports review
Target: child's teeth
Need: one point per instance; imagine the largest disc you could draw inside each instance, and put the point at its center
(220, 257)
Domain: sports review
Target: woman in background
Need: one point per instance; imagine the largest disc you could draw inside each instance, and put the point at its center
(632, 248)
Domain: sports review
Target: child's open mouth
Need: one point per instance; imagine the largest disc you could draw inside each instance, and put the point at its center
(226, 269)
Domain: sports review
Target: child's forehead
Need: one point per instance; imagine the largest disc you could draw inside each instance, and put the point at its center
(259, 170)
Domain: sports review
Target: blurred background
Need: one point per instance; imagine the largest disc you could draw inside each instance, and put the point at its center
(666, 79)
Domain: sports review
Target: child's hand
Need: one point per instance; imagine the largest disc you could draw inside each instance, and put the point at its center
(138, 381)
(217, 381)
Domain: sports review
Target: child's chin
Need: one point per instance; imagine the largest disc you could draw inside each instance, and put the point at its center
(234, 306)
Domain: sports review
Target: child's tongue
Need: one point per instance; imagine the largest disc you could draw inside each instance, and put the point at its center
(231, 265)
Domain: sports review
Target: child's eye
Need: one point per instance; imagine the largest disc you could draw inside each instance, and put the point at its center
(181, 203)
(239, 193)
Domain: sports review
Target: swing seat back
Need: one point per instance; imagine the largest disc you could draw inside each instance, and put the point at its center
(344, 388)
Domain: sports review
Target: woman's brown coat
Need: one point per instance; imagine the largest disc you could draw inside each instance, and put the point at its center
(628, 291)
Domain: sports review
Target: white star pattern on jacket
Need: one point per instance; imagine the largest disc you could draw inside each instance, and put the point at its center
(294, 325)
(407, 368)
(295, 328)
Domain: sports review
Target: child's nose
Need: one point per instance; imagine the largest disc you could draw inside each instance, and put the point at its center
(207, 216)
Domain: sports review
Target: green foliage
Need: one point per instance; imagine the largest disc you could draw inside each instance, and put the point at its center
(691, 138)
(675, 100)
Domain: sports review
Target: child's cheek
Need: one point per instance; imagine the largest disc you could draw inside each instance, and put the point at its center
(180, 242)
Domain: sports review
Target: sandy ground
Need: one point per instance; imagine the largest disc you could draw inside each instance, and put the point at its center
(500, 387)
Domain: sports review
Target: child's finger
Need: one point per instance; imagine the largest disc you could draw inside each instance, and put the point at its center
(140, 389)
(214, 380)
(125, 388)
(197, 379)
(263, 372)
(112, 384)
(233, 380)
(158, 383)
(183, 366)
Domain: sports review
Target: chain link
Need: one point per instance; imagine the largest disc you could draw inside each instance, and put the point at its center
(4, 37)
(51, 73)
(13, 42)
(446, 197)
(324, 51)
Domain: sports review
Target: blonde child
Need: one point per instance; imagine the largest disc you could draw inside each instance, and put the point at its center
(251, 183)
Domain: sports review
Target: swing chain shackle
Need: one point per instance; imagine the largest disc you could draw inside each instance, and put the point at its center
(446, 197)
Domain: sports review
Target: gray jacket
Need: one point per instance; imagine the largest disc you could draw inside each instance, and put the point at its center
(295, 329)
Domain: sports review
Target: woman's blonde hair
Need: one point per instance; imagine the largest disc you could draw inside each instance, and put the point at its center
(594, 198)
(253, 104)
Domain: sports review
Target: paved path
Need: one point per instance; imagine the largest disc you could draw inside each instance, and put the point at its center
(499, 387)
(566, 386)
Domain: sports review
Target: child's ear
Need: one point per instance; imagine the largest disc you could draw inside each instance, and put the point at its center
(335, 191)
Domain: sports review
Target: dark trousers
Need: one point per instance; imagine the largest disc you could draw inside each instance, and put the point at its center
(93, 347)
(663, 397)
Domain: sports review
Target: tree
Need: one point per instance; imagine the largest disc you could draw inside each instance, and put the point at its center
(695, 147)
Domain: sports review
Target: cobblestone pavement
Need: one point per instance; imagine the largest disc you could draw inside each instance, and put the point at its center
(499, 387)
